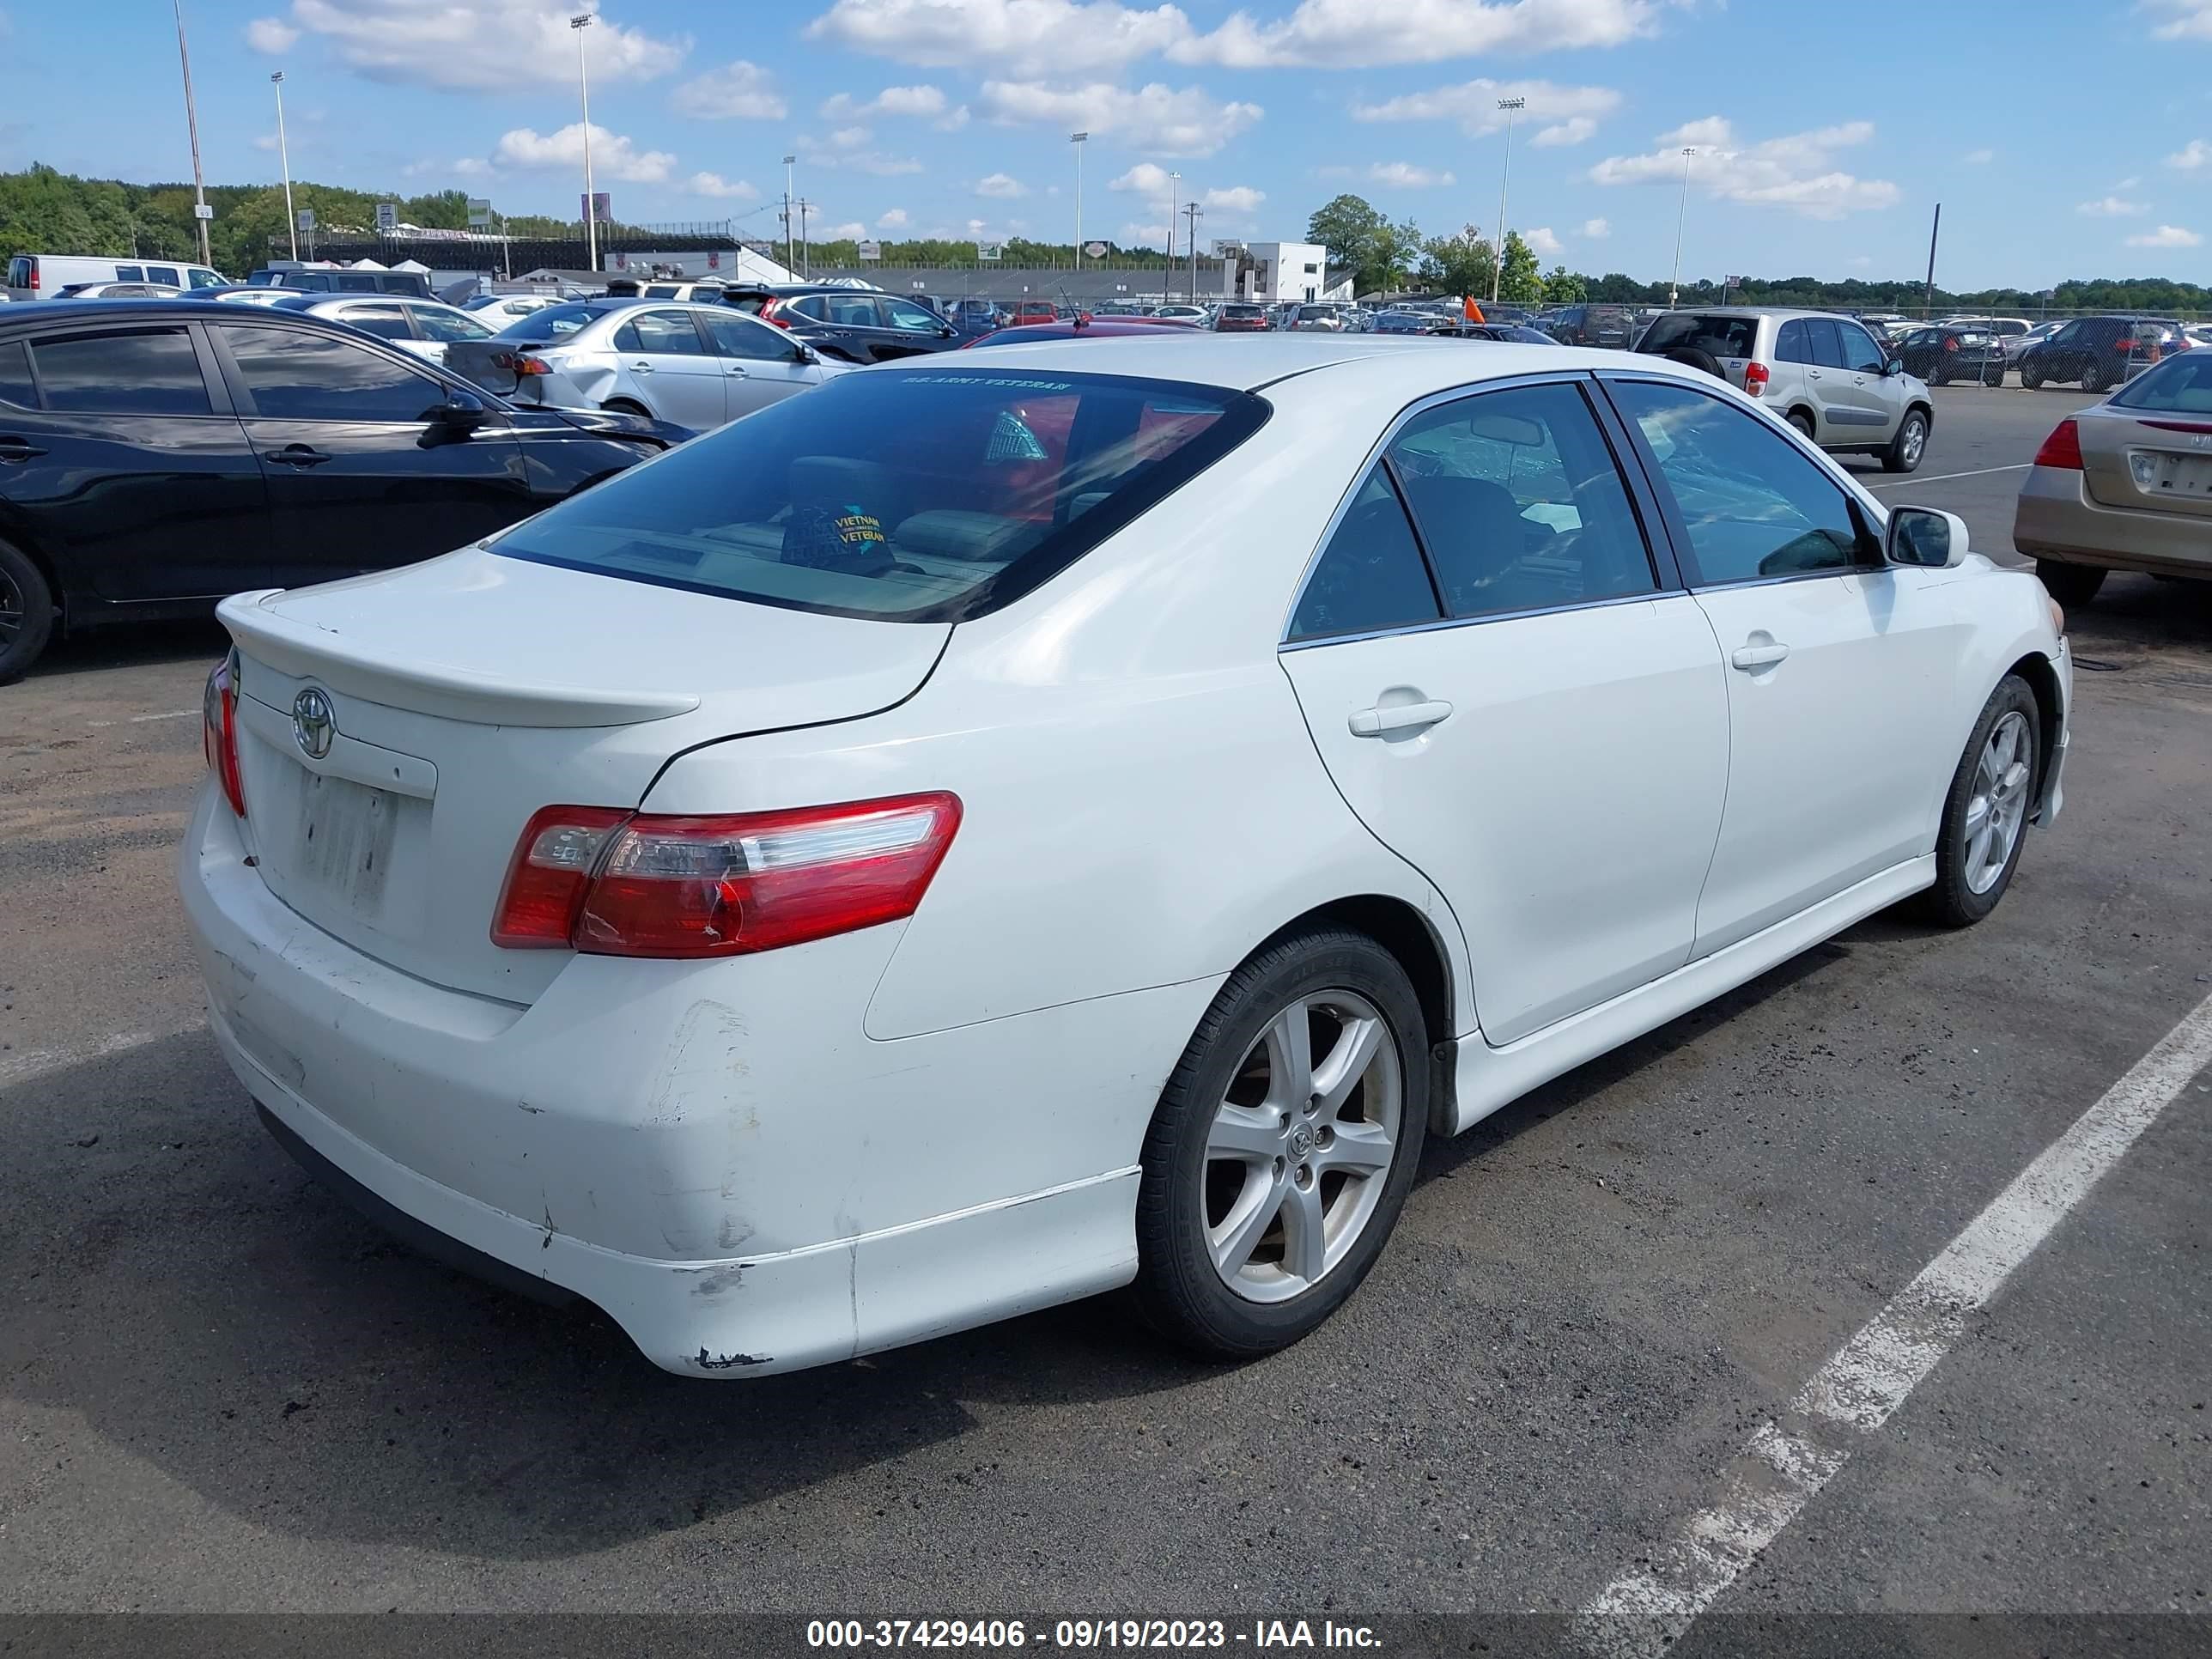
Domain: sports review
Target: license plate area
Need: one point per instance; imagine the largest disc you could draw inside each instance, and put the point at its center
(2162, 473)
(344, 838)
(347, 855)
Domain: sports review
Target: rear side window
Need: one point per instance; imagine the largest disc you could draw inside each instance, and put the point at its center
(295, 375)
(1827, 345)
(1791, 345)
(386, 322)
(1371, 576)
(660, 333)
(159, 274)
(447, 325)
(922, 496)
(548, 323)
(134, 274)
(15, 384)
(1520, 503)
(128, 372)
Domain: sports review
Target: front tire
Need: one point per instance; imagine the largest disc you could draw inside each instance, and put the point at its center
(1909, 444)
(2030, 380)
(2071, 585)
(1283, 1146)
(1984, 823)
(26, 614)
(2093, 377)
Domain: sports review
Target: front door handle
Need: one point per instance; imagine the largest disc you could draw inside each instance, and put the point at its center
(1752, 658)
(18, 449)
(738, 369)
(298, 455)
(1382, 722)
(640, 367)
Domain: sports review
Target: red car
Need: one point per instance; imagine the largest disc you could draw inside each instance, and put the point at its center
(1239, 317)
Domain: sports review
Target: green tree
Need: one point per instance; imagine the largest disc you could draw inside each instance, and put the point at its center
(1348, 227)
(1459, 265)
(1519, 282)
(1397, 251)
(1564, 287)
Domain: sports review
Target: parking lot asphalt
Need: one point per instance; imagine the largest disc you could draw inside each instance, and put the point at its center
(219, 1390)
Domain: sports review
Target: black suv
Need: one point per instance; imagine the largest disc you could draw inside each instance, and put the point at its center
(859, 324)
(1592, 326)
(158, 455)
(2100, 352)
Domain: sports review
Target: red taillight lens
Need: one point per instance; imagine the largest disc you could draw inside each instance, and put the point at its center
(611, 884)
(219, 731)
(773, 312)
(1755, 377)
(2062, 448)
(532, 366)
(1950, 343)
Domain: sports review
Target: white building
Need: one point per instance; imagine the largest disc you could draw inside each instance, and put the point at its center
(1283, 270)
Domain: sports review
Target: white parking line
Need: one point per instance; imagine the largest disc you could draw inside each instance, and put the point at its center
(1945, 477)
(174, 714)
(1781, 1469)
(36, 1062)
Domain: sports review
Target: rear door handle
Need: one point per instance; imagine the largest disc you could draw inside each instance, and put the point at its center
(640, 367)
(298, 455)
(18, 449)
(1399, 717)
(1752, 658)
(738, 369)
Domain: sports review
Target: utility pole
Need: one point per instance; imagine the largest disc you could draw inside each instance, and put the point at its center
(789, 263)
(1175, 206)
(581, 21)
(284, 159)
(1079, 139)
(1928, 300)
(1191, 211)
(1674, 288)
(805, 254)
(1512, 106)
(200, 215)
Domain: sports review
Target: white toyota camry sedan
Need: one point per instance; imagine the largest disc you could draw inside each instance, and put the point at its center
(979, 834)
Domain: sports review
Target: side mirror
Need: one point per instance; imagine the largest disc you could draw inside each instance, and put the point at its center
(462, 411)
(945, 331)
(803, 353)
(1923, 537)
(1893, 366)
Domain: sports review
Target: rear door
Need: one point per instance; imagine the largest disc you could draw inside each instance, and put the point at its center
(119, 452)
(1510, 697)
(359, 475)
(760, 363)
(667, 361)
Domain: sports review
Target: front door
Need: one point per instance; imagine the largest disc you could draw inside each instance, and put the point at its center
(760, 364)
(1508, 698)
(666, 359)
(360, 477)
(1836, 662)
(911, 329)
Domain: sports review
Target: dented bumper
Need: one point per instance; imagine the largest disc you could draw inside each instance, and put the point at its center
(714, 1153)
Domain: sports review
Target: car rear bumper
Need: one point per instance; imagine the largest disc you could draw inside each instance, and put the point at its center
(2057, 519)
(744, 1185)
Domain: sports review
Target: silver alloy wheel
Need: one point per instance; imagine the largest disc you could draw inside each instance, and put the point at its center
(1998, 807)
(1300, 1149)
(1916, 438)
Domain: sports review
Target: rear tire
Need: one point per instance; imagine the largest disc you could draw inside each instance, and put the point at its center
(26, 614)
(1984, 823)
(2071, 585)
(2031, 378)
(1803, 423)
(627, 406)
(1935, 374)
(1910, 443)
(1243, 1248)
(1993, 377)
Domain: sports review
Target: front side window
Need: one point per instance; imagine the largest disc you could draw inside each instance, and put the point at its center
(1754, 506)
(906, 315)
(1860, 351)
(741, 337)
(660, 333)
(922, 496)
(298, 376)
(201, 276)
(447, 326)
(1520, 503)
(1371, 576)
(151, 371)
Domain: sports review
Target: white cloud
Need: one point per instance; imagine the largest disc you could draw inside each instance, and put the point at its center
(472, 167)
(613, 155)
(1978, 158)
(1237, 201)
(1473, 105)
(1572, 130)
(2191, 19)
(737, 91)
(2128, 183)
(1798, 172)
(1001, 183)
(1226, 209)
(1542, 241)
(2111, 207)
(1403, 175)
(721, 189)
(892, 219)
(847, 147)
(2190, 156)
(892, 101)
(272, 35)
(1041, 36)
(2168, 235)
(1170, 122)
(851, 231)
(1595, 230)
(480, 45)
(267, 141)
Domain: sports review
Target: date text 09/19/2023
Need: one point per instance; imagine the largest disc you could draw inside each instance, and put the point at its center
(1167, 1635)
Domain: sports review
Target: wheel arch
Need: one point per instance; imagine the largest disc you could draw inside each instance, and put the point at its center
(2042, 678)
(12, 532)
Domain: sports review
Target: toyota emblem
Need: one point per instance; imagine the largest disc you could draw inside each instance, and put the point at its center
(313, 724)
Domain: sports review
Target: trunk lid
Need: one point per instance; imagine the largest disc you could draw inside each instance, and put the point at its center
(2148, 460)
(462, 694)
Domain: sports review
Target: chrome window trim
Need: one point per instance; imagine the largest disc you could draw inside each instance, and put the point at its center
(1412, 411)
(1438, 626)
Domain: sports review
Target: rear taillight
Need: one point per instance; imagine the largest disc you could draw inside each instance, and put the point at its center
(609, 883)
(1755, 377)
(773, 312)
(219, 731)
(1950, 344)
(528, 365)
(2062, 448)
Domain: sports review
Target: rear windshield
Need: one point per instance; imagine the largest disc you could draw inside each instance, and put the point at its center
(1717, 336)
(1307, 314)
(2180, 385)
(921, 495)
(550, 323)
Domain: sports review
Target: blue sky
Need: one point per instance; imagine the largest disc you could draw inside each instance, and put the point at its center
(2075, 140)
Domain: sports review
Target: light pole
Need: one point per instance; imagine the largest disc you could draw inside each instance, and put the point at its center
(788, 263)
(806, 255)
(192, 123)
(1079, 139)
(284, 159)
(1175, 206)
(1674, 288)
(581, 21)
(1512, 106)
(1191, 211)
